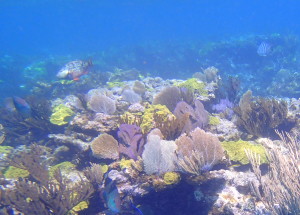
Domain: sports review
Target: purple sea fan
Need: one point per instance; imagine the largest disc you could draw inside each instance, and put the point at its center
(222, 106)
(131, 141)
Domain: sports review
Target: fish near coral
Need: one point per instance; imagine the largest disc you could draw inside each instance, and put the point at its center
(19, 105)
(74, 70)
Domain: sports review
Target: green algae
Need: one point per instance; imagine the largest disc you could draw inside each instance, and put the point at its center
(236, 151)
(15, 173)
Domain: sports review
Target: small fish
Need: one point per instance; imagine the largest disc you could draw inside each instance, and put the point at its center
(74, 69)
(264, 49)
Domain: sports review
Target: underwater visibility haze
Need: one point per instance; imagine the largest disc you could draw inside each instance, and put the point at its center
(179, 107)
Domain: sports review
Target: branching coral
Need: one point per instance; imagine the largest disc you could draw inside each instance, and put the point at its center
(36, 123)
(198, 152)
(260, 116)
(43, 196)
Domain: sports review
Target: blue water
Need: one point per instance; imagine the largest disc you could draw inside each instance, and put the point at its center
(83, 26)
(32, 31)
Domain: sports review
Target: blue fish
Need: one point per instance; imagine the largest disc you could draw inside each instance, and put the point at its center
(115, 204)
(264, 49)
(112, 198)
(19, 105)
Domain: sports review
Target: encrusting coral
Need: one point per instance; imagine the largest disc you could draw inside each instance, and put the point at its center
(236, 151)
(151, 112)
(61, 114)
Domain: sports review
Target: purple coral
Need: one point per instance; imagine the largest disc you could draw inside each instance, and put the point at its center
(222, 106)
(225, 106)
(131, 141)
(198, 116)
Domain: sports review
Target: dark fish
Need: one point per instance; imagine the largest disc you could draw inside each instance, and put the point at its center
(264, 49)
(19, 105)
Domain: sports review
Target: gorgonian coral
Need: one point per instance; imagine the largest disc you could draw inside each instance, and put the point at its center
(198, 152)
(98, 102)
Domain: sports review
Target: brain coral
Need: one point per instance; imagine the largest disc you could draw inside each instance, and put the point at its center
(105, 146)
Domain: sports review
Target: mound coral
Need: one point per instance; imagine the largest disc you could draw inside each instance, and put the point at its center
(105, 146)
(15, 173)
(61, 114)
(171, 178)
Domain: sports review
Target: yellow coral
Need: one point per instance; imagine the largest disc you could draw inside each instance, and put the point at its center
(64, 167)
(195, 86)
(131, 118)
(171, 178)
(125, 163)
(79, 207)
(61, 114)
(236, 151)
(104, 168)
(159, 111)
(213, 120)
